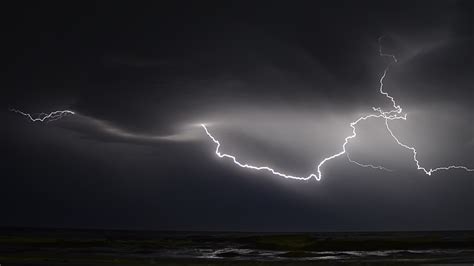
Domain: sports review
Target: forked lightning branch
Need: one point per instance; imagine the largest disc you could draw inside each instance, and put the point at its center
(393, 114)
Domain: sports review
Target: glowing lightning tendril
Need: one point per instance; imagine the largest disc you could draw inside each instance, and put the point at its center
(43, 117)
(394, 114)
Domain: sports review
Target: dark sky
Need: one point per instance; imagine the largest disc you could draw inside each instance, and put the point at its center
(278, 82)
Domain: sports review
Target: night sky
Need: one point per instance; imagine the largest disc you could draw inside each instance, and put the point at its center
(277, 82)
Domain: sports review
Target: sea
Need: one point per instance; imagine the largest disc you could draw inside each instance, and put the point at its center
(47, 246)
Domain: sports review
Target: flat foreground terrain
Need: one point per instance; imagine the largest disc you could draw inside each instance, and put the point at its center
(108, 247)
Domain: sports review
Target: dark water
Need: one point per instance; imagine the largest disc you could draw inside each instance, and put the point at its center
(101, 247)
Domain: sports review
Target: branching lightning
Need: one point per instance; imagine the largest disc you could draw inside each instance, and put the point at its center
(44, 117)
(367, 165)
(393, 114)
(418, 166)
(396, 113)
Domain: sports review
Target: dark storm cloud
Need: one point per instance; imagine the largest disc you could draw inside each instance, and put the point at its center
(276, 82)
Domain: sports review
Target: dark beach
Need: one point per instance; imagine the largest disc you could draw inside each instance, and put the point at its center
(27, 246)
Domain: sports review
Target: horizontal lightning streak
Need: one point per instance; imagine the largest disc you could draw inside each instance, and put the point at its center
(316, 175)
(245, 165)
(43, 117)
(367, 165)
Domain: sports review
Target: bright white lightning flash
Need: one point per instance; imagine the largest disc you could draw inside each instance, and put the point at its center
(394, 114)
(43, 117)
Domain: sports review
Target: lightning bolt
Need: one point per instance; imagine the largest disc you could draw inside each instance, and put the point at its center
(418, 166)
(367, 165)
(44, 117)
(318, 173)
(397, 111)
(393, 114)
(245, 165)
